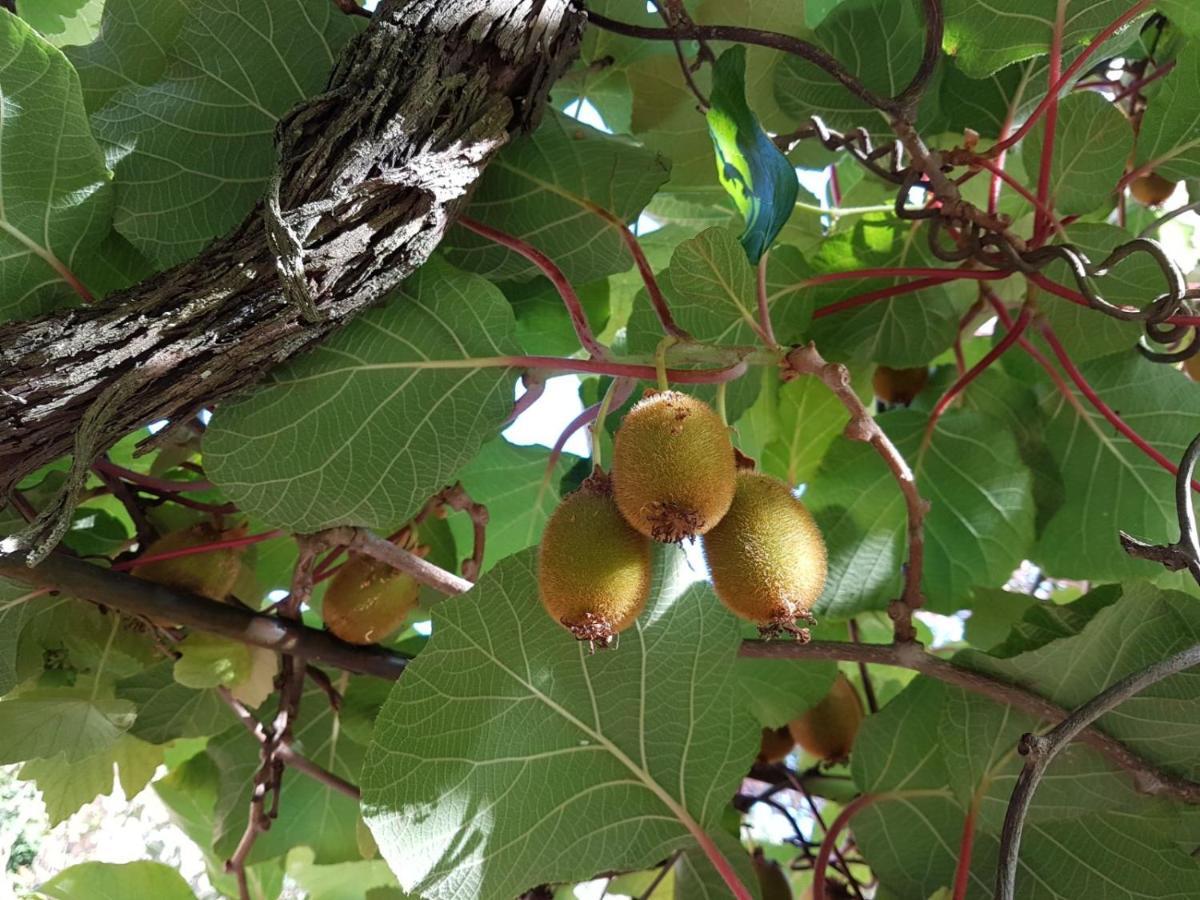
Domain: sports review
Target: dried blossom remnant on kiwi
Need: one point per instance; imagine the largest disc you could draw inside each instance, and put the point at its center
(593, 569)
(673, 467)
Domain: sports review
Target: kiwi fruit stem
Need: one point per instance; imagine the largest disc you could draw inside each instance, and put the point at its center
(660, 360)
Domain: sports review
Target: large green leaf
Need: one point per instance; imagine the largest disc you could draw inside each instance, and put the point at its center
(979, 526)
(110, 881)
(984, 36)
(17, 605)
(539, 762)
(1092, 142)
(63, 22)
(519, 493)
(1169, 137)
(878, 41)
(55, 197)
(132, 49)
(167, 710)
(45, 722)
(540, 188)
(234, 68)
(65, 786)
(1111, 485)
(363, 430)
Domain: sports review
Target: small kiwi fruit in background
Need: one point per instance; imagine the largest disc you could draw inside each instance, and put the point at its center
(367, 600)
(1191, 366)
(210, 574)
(1151, 189)
(776, 744)
(828, 729)
(899, 387)
(594, 570)
(772, 880)
(673, 467)
(766, 556)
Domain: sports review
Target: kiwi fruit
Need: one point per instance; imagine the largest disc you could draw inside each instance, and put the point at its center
(776, 744)
(367, 600)
(594, 570)
(828, 729)
(899, 387)
(1151, 189)
(772, 881)
(766, 556)
(210, 574)
(673, 467)
(1191, 365)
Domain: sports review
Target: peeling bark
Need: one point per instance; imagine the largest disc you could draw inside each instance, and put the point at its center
(371, 174)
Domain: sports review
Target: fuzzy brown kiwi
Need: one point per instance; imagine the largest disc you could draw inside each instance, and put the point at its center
(899, 386)
(367, 600)
(766, 556)
(1151, 189)
(593, 569)
(673, 467)
(210, 574)
(772, 881)
(1191, 365)
(776, 744)
(828, 729)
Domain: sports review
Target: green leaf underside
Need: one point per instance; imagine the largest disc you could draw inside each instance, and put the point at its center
(365, 428)
(539, 762)
(110, 881)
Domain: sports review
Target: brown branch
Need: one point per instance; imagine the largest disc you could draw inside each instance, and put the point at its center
(1148, 778)
(1039, 751)
(372, 173)
(863, 427)
(362, 541)
(456, 497)
(137, 597)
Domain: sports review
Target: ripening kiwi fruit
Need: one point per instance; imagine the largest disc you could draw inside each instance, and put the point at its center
(776, 744)
(1151, 189)
(1191, 365)
(210, 574)
(766, 556)
(829, 728)
(772, 881)
(367, 600)
(899, 386)
(673, 467)
(593, 569)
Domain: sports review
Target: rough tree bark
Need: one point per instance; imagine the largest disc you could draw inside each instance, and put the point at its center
(371, 174)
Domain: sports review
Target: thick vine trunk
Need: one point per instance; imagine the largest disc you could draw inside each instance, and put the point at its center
(372, 172)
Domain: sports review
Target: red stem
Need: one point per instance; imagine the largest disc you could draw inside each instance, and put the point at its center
(158, 485)
(1064, 360)
(905, 272)
(1072, 70)
(835, 186)
(976, 370)
(1136, 86)
(962, 872)
(999, 173)
(897, 290)
(830, 840)
(629, 370)
(1041, 222)
(551, 270)
(1034, 352)
(643, 266)
(203, 548)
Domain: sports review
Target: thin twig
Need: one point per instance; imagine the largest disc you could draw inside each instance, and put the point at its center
(662, 873)
(764, 304)
(864, 673)
(1040, 750)
(158, 485)
(456, 497)
(121, 492)
(1185, 552)
(863, 427)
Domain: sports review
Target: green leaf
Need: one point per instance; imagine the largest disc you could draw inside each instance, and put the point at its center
(55, 197)
(810, 418)
(542, 189)
(1093, 140)
(132, 48)
(1169, 139)
(979, 526)
(67, 786)
(316, 816)
(234, 67)
(167, 710)
(777, 691)
(544, 327)
(343, 881)
(512, 483)
(63, 22)
(45, 722)
(984, 37)
(751, 168)
(903, 331)
(557, 762)
(209, 661)
(366, 427)
(879, 41)
(697, 879)
(110, 881)
(1111, 485)
(666, 119)
(18, 604)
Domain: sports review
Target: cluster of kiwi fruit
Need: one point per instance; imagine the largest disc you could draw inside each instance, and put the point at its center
(676, 476)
